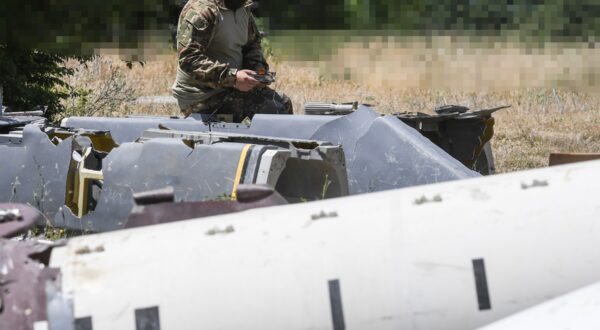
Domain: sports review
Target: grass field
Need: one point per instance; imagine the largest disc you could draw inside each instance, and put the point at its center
(552, 110)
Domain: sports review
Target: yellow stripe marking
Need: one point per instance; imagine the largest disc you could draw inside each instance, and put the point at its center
(240, 169)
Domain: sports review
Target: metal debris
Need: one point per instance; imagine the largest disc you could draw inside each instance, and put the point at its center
(249, 197)
(424, 200)
(88, 250)
(381, 153)
(218, 231)
(84, 176)
(23, 279)
(85, 182)
(535, 184)
(323, 215)
(7, 215)
(569, 158)
(16, 219)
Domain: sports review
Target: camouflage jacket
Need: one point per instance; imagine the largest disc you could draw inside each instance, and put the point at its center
(196, 30)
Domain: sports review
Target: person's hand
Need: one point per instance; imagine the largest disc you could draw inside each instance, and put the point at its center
(244, 81)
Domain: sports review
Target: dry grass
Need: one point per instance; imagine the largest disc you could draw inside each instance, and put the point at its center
(114, 87)
(541, 120)
(451, 63)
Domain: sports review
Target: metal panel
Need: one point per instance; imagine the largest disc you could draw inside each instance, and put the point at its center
(16, 219)
(271, 165)
(202, 173)
(59, 176)
(337, 308)
(578, 310)
(208, 170)
(23, 283)
(481, 285)
(147, 319)
(568, 158)
(382, 153)
(249, 197)
(35, 172)
(15, 122)
(84, 323)
(129, 129)
(60, 308)
(403, 257)
(392, 155)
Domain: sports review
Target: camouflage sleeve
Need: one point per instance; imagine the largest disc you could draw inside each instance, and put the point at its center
(193, 37)
(254, 59)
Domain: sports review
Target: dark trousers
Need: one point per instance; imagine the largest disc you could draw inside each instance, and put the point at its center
(239, 105)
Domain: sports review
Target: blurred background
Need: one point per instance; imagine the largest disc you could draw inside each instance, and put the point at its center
(100, 58)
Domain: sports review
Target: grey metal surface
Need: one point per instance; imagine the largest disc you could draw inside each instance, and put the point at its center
(25, 113)
(485, 163)
(318, 108)
(11, 214)
(208, 170)
(59, 307)
(129, 129)
(205, 172)
(220, 136)
(12, 122)
(411, 160)
(35, 171)
(201, 161)
(16, 219)
(11, 139)
(381, 152)
(294, 166)
(23, 278)
(45, 171)
(248, 197)
(284, 126)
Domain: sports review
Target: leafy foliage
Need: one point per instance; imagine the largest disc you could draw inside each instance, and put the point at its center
(32, 78)
(37, 36)
(556, 20)
(75, 27)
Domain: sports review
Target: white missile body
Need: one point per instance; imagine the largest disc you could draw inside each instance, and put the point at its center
(456, 255)
(579, 310)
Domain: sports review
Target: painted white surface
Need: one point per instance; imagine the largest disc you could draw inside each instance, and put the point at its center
(401, 264)
(579, 310)
(272, 164)
(40, 325)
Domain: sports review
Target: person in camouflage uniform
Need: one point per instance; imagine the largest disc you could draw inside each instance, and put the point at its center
(219, 49)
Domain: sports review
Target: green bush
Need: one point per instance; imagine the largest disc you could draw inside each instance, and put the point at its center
(32, 78)
(39, 35)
